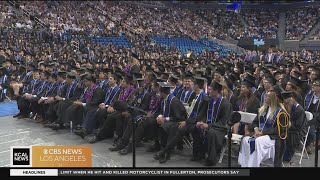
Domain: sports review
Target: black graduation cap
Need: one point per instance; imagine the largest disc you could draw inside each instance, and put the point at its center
(297, 73)
(165, 86)
(90, 70)
(36, 70)
(249, 69)
(157, 74)
(32, 66)
(199, 80)
(188, 75)
(51, 64)
(216, 85)
(105, 71)
(139, 81)
(161, 68)
(232, 77)
(119, 106)
(289, 64)
(247, 82)
(286, 94)
(23, 68)
(62, 73)
(220, 70)
(118, 69)
(71, 75)
(295, 81)
(277, 73)
(118, 75)
(81, 70)
(174, 78)
(89, 77)
(199, 72)
(270, 66)
(137, 75)
(53, 75)
(47, 73)
(270, 79)
(311, 66)
(156, 80)
(128, 78)
(149, 68)
(264, 70)
(165, 75)
(277, 89)
(251, 77)
(134, 55)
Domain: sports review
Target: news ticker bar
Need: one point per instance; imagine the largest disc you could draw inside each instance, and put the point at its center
(129, 172)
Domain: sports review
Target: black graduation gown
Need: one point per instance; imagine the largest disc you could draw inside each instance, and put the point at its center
(43, 108)
(77, 113)
(298, 121)
(217, 130)
(192, 96)
(169, 128)
(63, 105)
(252, 108)
(51, 113)
(190, 127)
(101, 115)
(144, 106)
(23, 104)
(5, 85)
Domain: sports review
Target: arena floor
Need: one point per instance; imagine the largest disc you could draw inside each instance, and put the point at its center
(25, 132)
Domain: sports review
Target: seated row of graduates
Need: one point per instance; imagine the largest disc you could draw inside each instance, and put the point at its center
(101, 107)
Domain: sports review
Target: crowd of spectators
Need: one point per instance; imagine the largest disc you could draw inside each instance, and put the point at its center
(224, 20)
(138, 22)
(315, 36)
(300, 21)
(261, 23)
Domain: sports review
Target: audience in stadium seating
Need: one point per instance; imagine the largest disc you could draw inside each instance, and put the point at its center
(300, 21)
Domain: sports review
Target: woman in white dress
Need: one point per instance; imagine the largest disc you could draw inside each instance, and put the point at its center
(270, 131)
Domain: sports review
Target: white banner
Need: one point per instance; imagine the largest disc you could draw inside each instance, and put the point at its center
(33, 172)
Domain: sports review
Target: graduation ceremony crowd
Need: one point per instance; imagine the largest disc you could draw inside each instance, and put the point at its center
(97, 90)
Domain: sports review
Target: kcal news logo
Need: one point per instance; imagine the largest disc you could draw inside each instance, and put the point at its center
(20, 156)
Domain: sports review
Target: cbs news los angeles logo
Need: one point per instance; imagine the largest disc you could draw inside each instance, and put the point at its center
(51, 156)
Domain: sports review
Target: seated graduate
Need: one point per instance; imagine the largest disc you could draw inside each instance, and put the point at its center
(298, 121)
(212, 122)
(189, 125)
(90, 99)
(246, 102)
(50, 92)
(139, 106)
(186, 94)
(4, 83)
(146, 124)
(23, 101)
(50, 113)
(22, 84)
(72, 94)
(172, 113)
(90, 122)
(270, 132)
